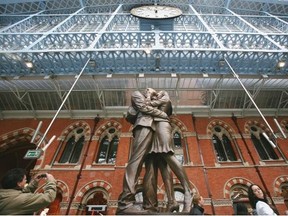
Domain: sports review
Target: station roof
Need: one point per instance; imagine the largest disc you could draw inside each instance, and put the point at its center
(97, 53)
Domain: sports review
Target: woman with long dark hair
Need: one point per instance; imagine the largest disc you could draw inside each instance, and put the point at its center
(258, 201)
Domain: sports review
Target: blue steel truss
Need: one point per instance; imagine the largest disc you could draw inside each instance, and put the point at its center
(59, 36)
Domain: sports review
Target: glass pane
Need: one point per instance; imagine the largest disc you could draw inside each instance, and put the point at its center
(67, 151)
(77, 150)
(261, 151)
(219, 149)
(103, 150)
(268, 147)
(228, 147)
(113, 150)
(177, 140)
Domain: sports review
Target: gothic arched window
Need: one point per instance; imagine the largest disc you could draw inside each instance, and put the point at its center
(223, 145)
(108, 148)
(263, 147)
(97, 203)
(73, 147)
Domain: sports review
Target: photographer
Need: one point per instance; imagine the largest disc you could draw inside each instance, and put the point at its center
(18, 197)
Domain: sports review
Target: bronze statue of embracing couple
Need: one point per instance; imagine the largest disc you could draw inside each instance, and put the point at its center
(153, 145)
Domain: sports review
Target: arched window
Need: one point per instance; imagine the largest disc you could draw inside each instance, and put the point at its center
(239, 197)
(178, 147)
(263, 147)
(223, 144)
(97, 203)
(73, 147)
(108, 147)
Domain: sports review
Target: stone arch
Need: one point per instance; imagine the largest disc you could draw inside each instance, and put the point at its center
(277, 183)
(262, 126)
(178, 124)
(64, 189)
(90, 185)
(61, 186)
(74, 125)
(220, 123)
(20, 135)
(233, 181)
(111, 123)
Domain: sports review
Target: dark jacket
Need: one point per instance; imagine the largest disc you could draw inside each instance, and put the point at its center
(20, 202)
(197, 210)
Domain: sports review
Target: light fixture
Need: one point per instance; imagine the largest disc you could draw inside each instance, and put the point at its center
(109, 75)
(29, 64)
(280, 128)
(268, 139)
(141, 75)
(92, 63)
(173, 75)
(221, 62)
(281, 63)
(205, 75)
(147, 51)
(157, 62)
(264, 76)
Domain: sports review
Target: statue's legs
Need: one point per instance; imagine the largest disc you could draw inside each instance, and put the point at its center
(179, 171)
(141, 146)
(150, 201)
(167, 177)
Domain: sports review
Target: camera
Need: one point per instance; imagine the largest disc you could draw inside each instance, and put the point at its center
(42, 176)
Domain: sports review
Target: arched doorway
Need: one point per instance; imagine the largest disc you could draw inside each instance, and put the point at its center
(12, 152)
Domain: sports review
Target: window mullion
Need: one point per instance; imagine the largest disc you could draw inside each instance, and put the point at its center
(108, 152)
(223, 146)
(72, 151)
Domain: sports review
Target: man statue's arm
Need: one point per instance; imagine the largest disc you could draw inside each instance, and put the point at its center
(158, 102)
(139, 103)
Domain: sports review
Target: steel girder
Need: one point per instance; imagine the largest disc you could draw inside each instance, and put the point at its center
(63, 35)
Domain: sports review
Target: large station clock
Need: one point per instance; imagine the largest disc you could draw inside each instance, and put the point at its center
(156, 12)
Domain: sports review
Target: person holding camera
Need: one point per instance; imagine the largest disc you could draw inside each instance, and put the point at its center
(18, 197)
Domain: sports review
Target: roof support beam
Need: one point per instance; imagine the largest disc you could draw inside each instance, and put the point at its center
(67, 95)
(251, 98)
(105, 27)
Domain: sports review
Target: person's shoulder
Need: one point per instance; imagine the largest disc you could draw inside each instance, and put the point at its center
(136, 93)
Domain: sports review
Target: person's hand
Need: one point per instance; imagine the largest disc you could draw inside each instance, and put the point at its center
(45, 176)
(39, 176)
(50, 177)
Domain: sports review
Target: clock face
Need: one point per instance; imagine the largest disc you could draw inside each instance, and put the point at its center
(156, 12)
